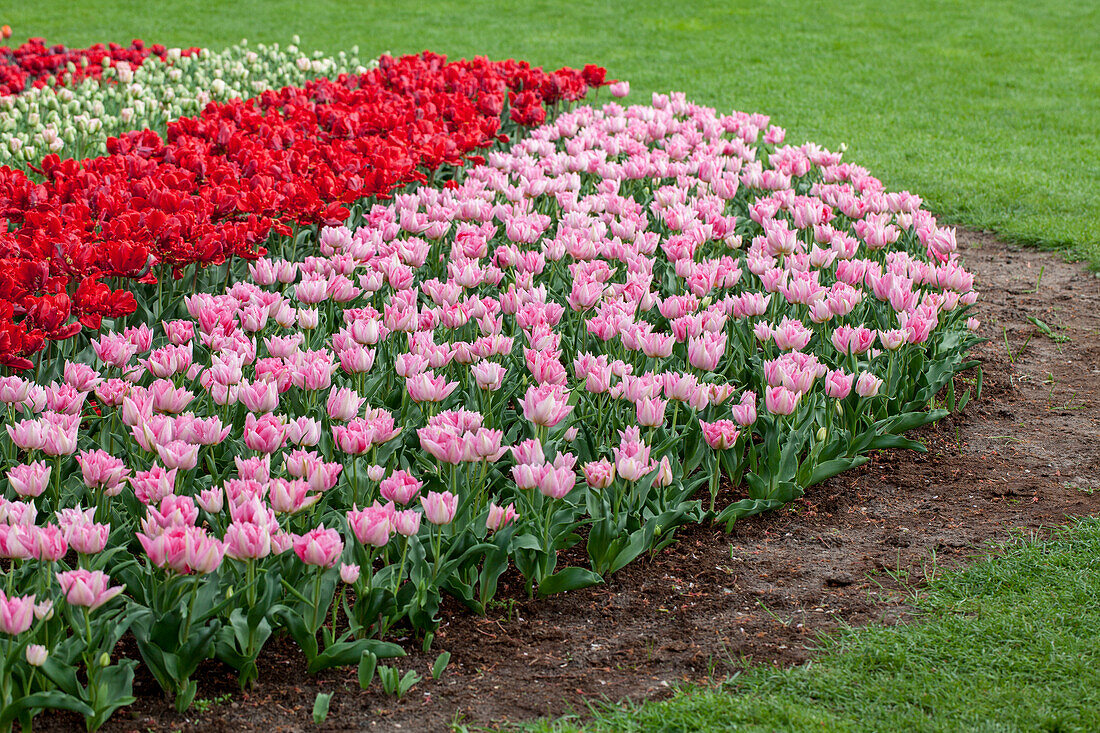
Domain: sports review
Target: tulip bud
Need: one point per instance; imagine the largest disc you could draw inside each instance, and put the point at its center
(349, 573)
(822, 433)
(104, 660)
(36, 655)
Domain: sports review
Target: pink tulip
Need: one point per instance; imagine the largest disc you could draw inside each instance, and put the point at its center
(780, 400)
(87, 588)
(546, 404)
(36, 655)
(500, 517)
(651, 412)
(303, 431)
(166, 548)
(179, 455)
(721, 434)
(265, 434)
(355, 438)
(153, 485)
(45, 543)
(893, 339)
(169, 398)
(65, 399)
(179, 332)
(16, 542)
(401, 487)
(101, 470)
(81, 376)
(620, 89)
(174, 511)
(29, 479)
(259, 396)
(838, 384)
(86, 537)
(407, 522)
(867, 385)
(211, 500)
(343, 404)
(291, 497)
(324, 476)
(247, 541)
(372, 525)
(664, 475)
(744, 413)
(791, 334)
(426, 387)
(27, 434)
(439, 508)
(599, 474)
(16, 613)
(557, 479)
(631, 456)
(349, 573)
(256, 468)
(706, 350)
(204, 553)
(489, 375)
(319, 546)
(59, 440)
(13, 390)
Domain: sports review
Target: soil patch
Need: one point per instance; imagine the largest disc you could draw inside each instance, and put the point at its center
(1024, 457)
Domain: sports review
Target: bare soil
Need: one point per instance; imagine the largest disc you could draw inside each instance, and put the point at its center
(1024, 457)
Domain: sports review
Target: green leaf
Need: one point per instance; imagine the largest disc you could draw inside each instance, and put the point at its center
(411, 678)
(746, 508)
(828, 469)
(639, 543)
(320, 707)
(440, 664)
(568, 579)
(50, 700)
(367, 664)
(62, 675)
(880, 442)
(528, 541)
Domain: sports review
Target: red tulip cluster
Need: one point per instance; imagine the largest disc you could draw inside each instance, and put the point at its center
(35, 64)
(219, 184)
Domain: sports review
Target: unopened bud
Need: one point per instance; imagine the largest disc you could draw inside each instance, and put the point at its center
(36, 655)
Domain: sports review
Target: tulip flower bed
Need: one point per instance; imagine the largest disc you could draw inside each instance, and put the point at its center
(567, 345)
(76, 119)
(33, 64)
(220, 185)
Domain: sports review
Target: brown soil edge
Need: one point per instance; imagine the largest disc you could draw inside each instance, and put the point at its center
(1026, 456)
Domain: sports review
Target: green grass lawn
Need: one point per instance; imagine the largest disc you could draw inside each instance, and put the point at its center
(989, 110)
(1011, 644)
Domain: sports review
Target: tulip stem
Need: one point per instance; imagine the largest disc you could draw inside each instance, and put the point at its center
(315, 621)
(191, 609)
(401, 567)
(714, 480)
(57, 483)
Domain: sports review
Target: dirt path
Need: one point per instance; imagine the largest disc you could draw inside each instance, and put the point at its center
(1026, 456)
